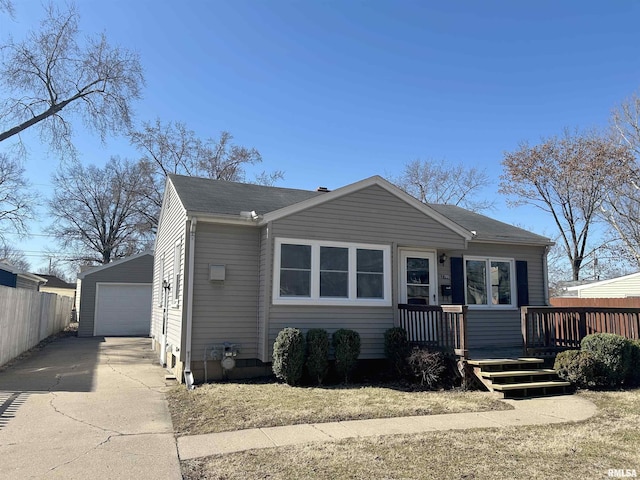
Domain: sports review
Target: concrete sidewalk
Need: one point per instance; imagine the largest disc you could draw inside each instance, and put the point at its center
(87, 408)
(537, 411)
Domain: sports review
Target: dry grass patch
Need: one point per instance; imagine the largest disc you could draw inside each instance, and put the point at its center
(610, 440)
(236, 406)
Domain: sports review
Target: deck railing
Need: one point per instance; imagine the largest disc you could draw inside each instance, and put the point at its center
(437, 326)
(548, 330)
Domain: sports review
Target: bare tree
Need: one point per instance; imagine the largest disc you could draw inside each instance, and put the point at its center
(15, 200)
(568, 178)
(15, 257)
(621, 208)
(6, 6)
(174, 148)
(166, 148)
(56, 71)
(433, 181)
(97, 210)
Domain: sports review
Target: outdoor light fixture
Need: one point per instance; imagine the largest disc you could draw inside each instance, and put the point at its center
(442, 257)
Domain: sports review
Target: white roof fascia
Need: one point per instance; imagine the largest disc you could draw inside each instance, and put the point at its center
(575, 288)
(529, 243)
(354, 187)
(16, 271)
(221, 218)
(33, 277)
(167, 184)
(113, 264)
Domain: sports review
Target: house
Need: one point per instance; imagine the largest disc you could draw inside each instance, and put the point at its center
(619, 287)
(235, 263)
(115, 299)
(57, 286)
(11, 276)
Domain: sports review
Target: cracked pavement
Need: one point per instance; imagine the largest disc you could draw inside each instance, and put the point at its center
(87, 408)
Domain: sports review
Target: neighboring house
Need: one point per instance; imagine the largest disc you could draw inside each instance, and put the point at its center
(57, 286)
(619, 287)
(619, 292)
(115, 299)
(238, 262)
(11, 276)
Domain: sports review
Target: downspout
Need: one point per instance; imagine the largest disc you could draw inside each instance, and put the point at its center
(545, 273)
(188, 376)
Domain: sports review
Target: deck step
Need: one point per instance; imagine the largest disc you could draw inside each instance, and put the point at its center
(505, 361)
(518, 373)
(527, 386)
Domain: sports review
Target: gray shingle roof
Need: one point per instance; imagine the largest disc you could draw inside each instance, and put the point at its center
(230, 198)
(55, 282)
(488, 229)
(220, 197)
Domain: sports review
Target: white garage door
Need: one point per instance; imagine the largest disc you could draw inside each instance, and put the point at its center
(123, 309)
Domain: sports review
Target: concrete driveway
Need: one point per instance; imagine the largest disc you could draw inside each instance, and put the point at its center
(87, 408)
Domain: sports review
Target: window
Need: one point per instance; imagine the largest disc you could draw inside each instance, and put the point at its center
(334, 272)
(295, 271)
(175, 288)
(490, 282)
(331, 273)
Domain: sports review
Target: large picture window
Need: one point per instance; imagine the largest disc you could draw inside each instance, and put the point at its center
(490, 282)
(331, 273)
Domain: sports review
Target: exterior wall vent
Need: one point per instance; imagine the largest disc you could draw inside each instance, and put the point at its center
(217, 273)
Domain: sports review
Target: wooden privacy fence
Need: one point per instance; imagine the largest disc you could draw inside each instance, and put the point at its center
(28, 317)
(547, 330)
(438, 326)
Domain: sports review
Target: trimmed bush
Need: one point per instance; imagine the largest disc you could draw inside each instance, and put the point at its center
(633, 375)
(288, 355)
(346, 344)
(613, 351)
(580, 368)
(396, 349)
(317, 354)
(427, 366)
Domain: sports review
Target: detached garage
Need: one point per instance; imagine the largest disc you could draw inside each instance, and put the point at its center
(115, 299)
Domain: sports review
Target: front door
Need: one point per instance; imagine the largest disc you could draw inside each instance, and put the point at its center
(417, 278)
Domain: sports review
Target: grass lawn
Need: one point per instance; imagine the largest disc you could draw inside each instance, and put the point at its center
(610, 440)
(236, 406)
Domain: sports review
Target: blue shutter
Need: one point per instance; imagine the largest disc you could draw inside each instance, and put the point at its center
(457, 281)
(522, 281)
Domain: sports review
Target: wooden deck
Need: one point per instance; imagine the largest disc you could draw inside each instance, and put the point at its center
(549, 330)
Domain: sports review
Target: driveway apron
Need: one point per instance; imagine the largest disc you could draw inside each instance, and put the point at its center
(87, 408)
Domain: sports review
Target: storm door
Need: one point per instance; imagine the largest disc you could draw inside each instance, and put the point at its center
(417, 278)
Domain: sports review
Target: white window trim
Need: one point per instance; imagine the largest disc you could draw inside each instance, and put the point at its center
(433, 274)
(177, 260)
(514, 292)
(315, 298)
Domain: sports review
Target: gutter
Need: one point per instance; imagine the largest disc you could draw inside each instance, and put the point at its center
(545, 273)
(188, 376)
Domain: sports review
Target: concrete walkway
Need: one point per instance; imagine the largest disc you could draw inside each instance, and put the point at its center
(537, 411)
(87, 408)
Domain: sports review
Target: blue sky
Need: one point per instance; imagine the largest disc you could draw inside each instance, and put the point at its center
(335, 91)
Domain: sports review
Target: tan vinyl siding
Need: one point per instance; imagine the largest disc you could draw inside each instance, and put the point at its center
(373, 216)
(172, 230)
(621, 288)
(136, 270)
(264, 292)
(26, 283)
(495, 327)
(226, 311)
